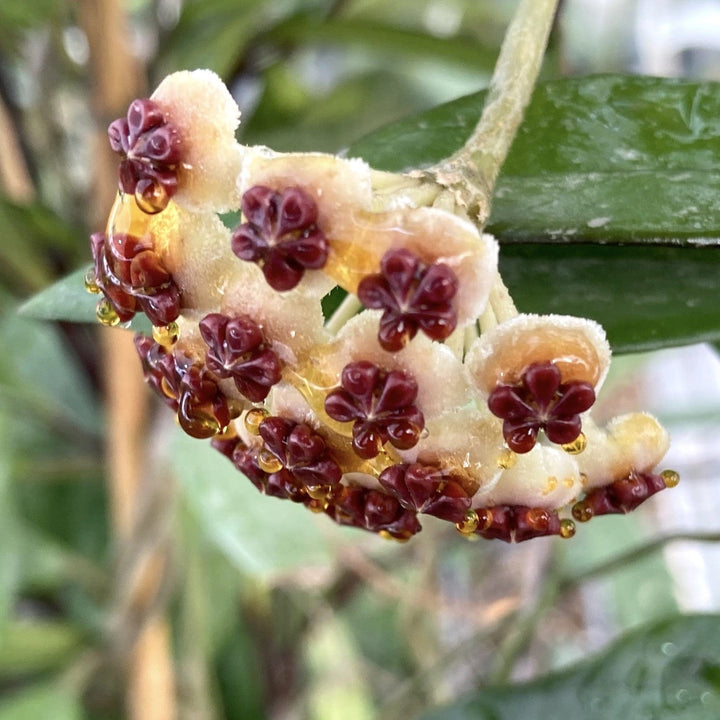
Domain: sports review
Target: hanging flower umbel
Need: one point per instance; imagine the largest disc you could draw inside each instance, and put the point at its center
(423, 394)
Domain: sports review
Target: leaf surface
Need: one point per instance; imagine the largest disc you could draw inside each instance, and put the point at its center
(664, 671)
(607, 204)
(606, 207)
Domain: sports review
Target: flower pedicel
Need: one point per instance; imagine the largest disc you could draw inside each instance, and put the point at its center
(425, 393)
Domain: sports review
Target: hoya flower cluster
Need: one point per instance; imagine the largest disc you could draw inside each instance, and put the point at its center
(423, 393)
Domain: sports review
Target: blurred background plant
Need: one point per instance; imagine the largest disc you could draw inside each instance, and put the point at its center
(141, 577)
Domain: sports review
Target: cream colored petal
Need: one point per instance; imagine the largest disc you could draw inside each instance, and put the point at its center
(292, 322)
(200, 259)
(338, 186)
(577, 346)
(362, 479)
(359, 238)
(440, 377)
(465, 442)
(252, 441)
(206, 116)
(434, 236)
(634, 442)
(285, 401)
(546, 477)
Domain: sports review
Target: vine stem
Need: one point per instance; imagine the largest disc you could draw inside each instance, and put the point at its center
(640, 552)
(470, 174)
(347, 309)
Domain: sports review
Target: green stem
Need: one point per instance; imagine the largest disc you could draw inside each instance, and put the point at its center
(470, 174)
(638, 553)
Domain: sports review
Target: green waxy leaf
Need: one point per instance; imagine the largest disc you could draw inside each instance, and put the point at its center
(606, 207)
(665, 671)
(40, 376)
(646, 297)
(67, 299)
(607, 204)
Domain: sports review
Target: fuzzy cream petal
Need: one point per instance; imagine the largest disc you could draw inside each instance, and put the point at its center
(578, 347)
(634, 442)
(199, 105)
(546, 477)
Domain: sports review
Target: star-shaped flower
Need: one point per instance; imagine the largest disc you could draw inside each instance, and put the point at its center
(300, 451)
(381, 406)
(427, 489)
(187, 387)
(133, 278)
(151, 149)
(516, 523)
(373, 510)
(280, 233)
(237, 350)
(159, 370)
(414, 296)
(620, 496)
(541, 402)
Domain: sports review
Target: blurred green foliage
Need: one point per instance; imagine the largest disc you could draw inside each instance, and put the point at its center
(277, 612)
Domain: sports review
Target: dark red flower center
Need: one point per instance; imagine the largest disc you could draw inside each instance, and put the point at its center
(151, 151)
(427, 489)
(133, 278)
(381, 406)
(541, 401)
(237, 350)
(621, 496)
(413, 296)
(373, 510)
(281, 235)
(188, 388)
(516, 523)
(300, 451)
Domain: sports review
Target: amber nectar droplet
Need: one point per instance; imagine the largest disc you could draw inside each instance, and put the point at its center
(567, 528)
(670, 477)
(228, 433)
(469, 524)
(576, 446)
(268, 462)
(167, 388)
(166, 335)
(200, 425)
(317, 492)
(582, 512)
(386, 535)
(90, 285)
(153, 200)
(506, 459)
(106, 314)
(253, 420)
